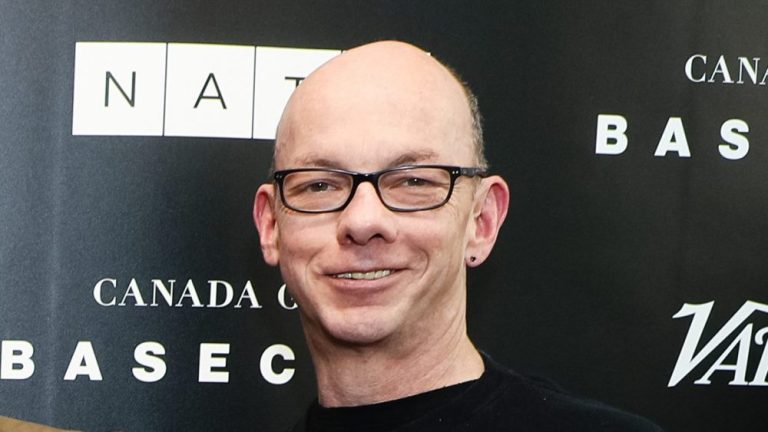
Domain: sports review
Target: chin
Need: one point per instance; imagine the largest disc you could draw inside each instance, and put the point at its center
(361, 329)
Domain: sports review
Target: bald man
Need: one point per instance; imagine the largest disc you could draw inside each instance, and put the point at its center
(380, 201)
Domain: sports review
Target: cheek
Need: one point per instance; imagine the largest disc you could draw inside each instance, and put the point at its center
(440, 239)
(298, 233)
(299, 241)
(296, 256)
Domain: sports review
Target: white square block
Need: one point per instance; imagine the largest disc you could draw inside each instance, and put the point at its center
(209, 90)
(118, 88)
(278, 70)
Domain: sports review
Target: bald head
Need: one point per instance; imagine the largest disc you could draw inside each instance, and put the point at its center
(381, 91)
(378, 263)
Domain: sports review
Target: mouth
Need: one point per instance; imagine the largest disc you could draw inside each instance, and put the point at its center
(370, 275)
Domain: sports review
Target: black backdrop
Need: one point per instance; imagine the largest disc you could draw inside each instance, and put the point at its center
(599, 252)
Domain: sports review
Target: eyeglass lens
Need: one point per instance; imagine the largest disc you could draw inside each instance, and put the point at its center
(407, 189)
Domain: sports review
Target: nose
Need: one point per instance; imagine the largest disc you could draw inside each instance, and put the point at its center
(365, 218)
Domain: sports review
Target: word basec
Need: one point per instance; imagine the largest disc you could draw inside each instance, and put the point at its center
(17, 362)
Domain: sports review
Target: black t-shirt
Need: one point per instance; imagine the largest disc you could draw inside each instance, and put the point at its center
(500, 400)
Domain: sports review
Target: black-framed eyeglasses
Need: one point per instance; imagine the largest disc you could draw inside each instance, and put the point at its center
(403, 189)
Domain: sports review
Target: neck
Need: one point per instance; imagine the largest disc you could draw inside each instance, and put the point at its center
(362, 375)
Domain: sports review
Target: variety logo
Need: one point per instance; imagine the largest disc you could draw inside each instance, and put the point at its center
(738, 336)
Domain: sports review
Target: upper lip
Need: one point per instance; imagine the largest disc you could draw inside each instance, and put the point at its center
(366, 269)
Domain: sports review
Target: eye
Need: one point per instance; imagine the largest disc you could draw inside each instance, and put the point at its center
(413, 179)
(416, 181)
(318, 187)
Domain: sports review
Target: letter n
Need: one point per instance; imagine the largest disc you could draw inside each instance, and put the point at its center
(131, 100)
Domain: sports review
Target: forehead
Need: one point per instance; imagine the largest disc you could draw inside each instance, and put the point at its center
(376, 109)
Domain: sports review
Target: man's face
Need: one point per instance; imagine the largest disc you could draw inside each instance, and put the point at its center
(366, 274)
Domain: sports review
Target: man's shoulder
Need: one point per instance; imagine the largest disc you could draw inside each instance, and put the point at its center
(589, 414)
(503, 400)
(547, 406)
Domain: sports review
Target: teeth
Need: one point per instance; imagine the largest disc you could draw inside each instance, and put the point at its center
(371, 275)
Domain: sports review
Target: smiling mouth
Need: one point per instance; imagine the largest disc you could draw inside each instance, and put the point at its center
(371, 275)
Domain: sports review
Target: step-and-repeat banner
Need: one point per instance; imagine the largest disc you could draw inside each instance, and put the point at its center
(133, 135)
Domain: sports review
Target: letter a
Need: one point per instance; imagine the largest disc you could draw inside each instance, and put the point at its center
(739, 368)
(211, 78)
(83, 362)
(673, 139)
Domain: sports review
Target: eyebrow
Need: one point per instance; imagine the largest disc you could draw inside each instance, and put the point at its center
(409, 158)
(315, 161)
(414, 158)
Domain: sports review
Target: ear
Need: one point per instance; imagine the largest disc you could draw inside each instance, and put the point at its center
(488, 213)
(266, 223)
